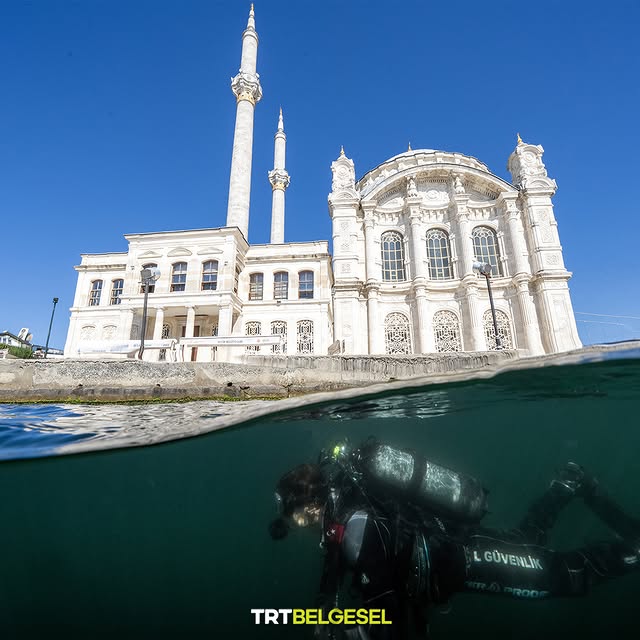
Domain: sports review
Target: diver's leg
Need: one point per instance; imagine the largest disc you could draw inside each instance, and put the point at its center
(612, 514)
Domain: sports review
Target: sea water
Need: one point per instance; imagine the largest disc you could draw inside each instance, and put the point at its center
(105, 534)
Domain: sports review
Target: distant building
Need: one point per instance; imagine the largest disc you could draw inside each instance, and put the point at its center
(23, 339)
(405, 237)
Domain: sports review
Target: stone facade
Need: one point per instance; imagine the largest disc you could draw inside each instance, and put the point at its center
(405, 237)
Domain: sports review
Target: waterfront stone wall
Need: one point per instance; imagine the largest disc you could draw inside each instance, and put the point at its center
(259, 376)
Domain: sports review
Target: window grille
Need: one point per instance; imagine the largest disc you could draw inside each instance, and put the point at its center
(397, 335)
(253, 329)
(446, 328)
(166, 332)
(279, 327)
(305, 337)
(392, 257)
(504, 330)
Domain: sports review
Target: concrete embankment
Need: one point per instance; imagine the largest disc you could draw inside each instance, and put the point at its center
(260, 376)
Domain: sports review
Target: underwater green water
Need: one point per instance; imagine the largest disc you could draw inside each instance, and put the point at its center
(171, 541)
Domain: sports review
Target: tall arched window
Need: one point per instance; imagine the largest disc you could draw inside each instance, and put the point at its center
(504, 329)
(439, 255)
(305, 285)
(446, 329)
(280, 285)
(253, 329)
(117, 287)
(485, 248)
(179, 276)
(256, 281)
(95, 293)
(152, 285)
(279, 328)
(397, 335)
(305, 337)
(209, 275)
(392, 257)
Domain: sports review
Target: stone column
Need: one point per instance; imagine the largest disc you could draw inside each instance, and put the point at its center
(157, 330)
(370, 244)
(127, 322)
(529, 318)
(419, 251)
(188, 330)
(465, 253)
(478, 341)
(374, 325)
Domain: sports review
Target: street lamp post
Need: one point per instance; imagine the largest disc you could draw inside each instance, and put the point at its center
(484, 269)
(46, 348)
(148, 277)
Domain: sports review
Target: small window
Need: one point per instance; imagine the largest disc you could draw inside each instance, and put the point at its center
(392, 257)
(485, 248)
(210, 275)
(253, 329)
(96, 291)
(281, 285)
(179, 276)
(255, 286)
(151, 287)
(397, 334)
(438, 254)
(305, 285)
(117, 287)
(279, 328)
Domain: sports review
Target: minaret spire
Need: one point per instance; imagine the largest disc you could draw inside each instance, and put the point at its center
(279, 179)
(246, 87)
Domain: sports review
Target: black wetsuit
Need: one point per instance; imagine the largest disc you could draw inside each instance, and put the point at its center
(402, 566)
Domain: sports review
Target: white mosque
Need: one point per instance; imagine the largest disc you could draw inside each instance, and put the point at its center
(400, 281)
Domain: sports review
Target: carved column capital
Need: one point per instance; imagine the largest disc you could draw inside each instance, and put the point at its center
(246, 86)
(279, 179)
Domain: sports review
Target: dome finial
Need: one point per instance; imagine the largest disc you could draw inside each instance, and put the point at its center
(520, 139)
(341, 151)
(409, 149)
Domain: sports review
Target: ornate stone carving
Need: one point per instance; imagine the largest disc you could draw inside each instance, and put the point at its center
(458, 187)
(246, 86)
(279, 179)
(344, 177)
(412, 190)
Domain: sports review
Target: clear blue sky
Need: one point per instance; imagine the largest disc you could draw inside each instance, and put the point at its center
(117, 117)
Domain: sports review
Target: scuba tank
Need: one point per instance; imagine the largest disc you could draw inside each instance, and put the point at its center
(409, 477)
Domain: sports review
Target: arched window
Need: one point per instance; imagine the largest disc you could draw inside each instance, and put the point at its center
(485, 248)
(305, 337)
(279, 328)
(439, 255)
(305, 285)
(280, 285)
(397, 335)
(392, 257)
(209, 275)
(179, 276)
(253, 329)
(504, 329)
(117, 287)
(255, 286)
(446, 328)
(95, 293)
(152, 285)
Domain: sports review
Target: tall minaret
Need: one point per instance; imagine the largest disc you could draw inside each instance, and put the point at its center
(246, 87)
(279, 179)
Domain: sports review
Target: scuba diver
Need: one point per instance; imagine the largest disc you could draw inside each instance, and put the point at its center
(408, 531)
